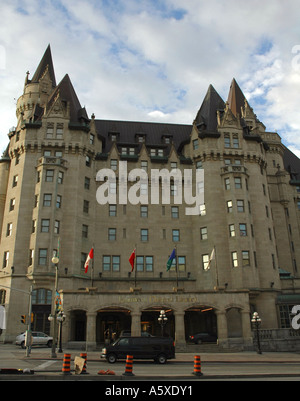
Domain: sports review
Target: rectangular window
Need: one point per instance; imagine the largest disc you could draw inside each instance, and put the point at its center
(227, 143)
(144, 211)
(114, 164)
(202, 210)
(106, 263)
(15, 181)
(12, 204)
(59, 131)
(50, 131)
(240, 205)
(88, 161)
(234, 259)
(45, 225)
(203, 233)
(229, 206)
(238, 182)
(92, 139)
(5, 259)
(116, 263)
(246, 258)
(60, 177)
(112, 210)
(140, 263)
(243, 230)
(87, 182)
(227, 184)
(112, 234)
(86, 206)
(181, 264)
(43, 253)
(9, 229)
(85, 230)
(56, 226)
(175, 212)
(149, 263)
(47, 199)
(58, 201)
(205, 261)
(144, 234)
(195, 144)
(235, 141)
(175, 235)
(231, 230)
(49, 175)
(144, 165)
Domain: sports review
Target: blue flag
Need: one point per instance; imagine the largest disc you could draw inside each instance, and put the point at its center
(171, 258)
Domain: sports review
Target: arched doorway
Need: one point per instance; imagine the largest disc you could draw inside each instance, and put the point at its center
(151, 325)
(111, 322)
(200, 319)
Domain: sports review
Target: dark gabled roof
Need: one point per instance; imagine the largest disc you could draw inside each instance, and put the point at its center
(206, 118)
(67, 94)
(45, 61)
(153, 133)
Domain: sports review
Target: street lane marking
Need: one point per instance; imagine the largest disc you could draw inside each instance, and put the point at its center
(45, 365)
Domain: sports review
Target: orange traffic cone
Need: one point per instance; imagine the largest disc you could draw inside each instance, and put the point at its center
(128, 367)
(66, 368)
(197, 366)
(84, 356)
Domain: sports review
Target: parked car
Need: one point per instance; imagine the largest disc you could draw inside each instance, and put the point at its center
(200, 338)
(38, 338)
(158, 348)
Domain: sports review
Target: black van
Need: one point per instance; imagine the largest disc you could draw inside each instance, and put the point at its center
(158, 348)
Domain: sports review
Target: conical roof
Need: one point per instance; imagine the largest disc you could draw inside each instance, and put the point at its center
(67, 93)
(45, 61)
(236, 98)
(207, 114)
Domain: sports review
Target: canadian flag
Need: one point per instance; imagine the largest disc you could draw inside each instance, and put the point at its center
(131, 260)
(89, 257)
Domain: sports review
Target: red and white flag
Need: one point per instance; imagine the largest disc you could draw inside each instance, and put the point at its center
(89, 257)
(131, 260)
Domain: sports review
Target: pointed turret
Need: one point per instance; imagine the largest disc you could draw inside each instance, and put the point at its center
(236, 98)
(206, 118)
(66, 94)
(46, 63)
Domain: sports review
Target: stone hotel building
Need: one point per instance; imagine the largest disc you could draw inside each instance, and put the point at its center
(249, 221)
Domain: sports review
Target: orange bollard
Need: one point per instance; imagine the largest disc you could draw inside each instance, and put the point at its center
(197, 366)
(84, 356)
(66, 368)
(128, 367)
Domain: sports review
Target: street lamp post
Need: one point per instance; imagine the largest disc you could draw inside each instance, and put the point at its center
(256, 320)
(60, 318)
(162, 320)
(55, 261)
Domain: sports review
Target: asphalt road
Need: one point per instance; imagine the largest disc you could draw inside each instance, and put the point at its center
(283, 367)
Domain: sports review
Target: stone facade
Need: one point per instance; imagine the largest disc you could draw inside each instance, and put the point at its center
(48, 206)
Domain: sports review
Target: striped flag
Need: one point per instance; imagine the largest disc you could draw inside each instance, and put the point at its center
(170, 260)
(212, 256)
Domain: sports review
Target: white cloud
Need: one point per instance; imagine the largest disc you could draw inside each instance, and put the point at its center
(154, 60)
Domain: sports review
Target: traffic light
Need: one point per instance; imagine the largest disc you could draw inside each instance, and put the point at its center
(23, 319)
(32, 317)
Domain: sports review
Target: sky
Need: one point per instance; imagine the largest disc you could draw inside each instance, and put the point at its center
(153, 60)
